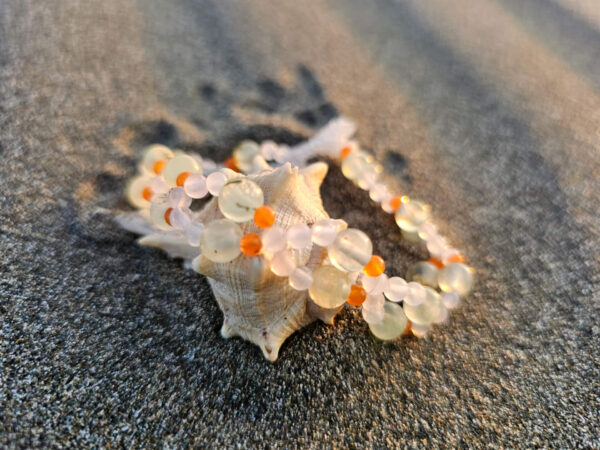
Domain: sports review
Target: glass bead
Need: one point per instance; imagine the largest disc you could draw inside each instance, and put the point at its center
(250, 244)
(139, 193)
(299, 235)
(375, 285)
(195, 185)
(330, 287)
(301, 278)
(264, 217)
(420, 330)
(375, 266)
(220, 240)
(423, 272)
(392, 325)
(324, 232)
(283, 263)
(397, 289)
(193, 232)
(373, 308)
(456, 277)
(351, 250)
(215, 182)
(269, 150)
(178, 165)
(357, 295)
(244, 154)
(378, 192)
(416, 294)
(239, 198)
(412, 214)
(180, 218)
(444, 315)
(178, 199)
(436, 245)
(450, 299)
(273, 239)
(156, 153)
(426, 312)
(357, 164)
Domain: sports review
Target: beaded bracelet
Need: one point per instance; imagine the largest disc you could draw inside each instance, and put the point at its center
(292, 237)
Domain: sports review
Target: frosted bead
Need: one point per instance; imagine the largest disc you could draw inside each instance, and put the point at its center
(373, 308)
(450, 299)
(356, 164)
(180, 218)
(456, 277)
(157, 213)
(215, 182)
(375, 285)
(153, 154)
(420, 330)
(396, 290)
(416, 294)
(283, 264)
(239, 198)
(412, 214)
(177, 165)
(423, 272)
(136, 194)
(269, 150)
(193, 232)
(244, 154)
(392, 325)
(330, 287)
(301, 278)
(299, 235)
(427, 230)
(324, 232)
(378, 192)
(436, 246)
(427, 311)
(273, 239)
(195, 185)
(444, 315)
(178, 199)
(220, 240)
(351, 250)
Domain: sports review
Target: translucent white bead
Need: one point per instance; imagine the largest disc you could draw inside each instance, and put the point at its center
(195, 185)
(412, 214)
(392, 325)
(135, 191)
(427, 311)
(373, 308)
(375, 285)
(444, 315)
(436, 245)
(420, 330)
(299, 235)
(427, 230)
(177, 165)
(155, 153)
(416, 294)
(448, 253)
(351, 250)
(193, 232)
(273, 239)
(239, 198)
(378, 192)
(324, 232)
(177, 198)
(180, 218)
(450, 299)
(159, 186)
(220, 240)
(357, 164)
(397, 289)
(301, 278)
(243, 155)
(456, 277)
(330, 287)
(283, 263)
(387, 206)
(423, 272)
(369, 177)
(215, 182)
(157, 212)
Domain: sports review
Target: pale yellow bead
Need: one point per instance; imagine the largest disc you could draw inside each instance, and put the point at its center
(135, 191)
(427, 311)
(244, 154)
(351, 250)
(239, 198)
(330, 287)
(456, 277)
(157, 213)
(412, 214)
(423, 272)
(155, 153)
(361, 168)
(393, 324)
(178, 165)
(220, 240)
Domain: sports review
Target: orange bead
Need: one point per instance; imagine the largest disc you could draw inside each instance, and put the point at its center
(168, 216)
(408, 329)
(396, 202)
(264, 217)
(345, 152)
(181, 178)
(375, 266)
(250, 244)
(436, 262)
(159, 166)
(147, 193)
(230, 164)
(457, 259)
(357, 295)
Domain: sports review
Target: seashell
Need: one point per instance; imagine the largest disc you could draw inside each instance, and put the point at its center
(257, 305)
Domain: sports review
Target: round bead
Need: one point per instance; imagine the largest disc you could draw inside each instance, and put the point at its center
(195, 185)
(220, 240)
(357, 295)
(372, 308)
(283, 264)
(215, 182)
(180, 218)
(412, 214)
(423, 272)
(264, 217)
(396, 202)
(436, 246)
(270, 151)
(139, 193)
(244, 154)
(273, 239)
(301, 278)
(456, 277)
(427, 311)
(375, 266)
(299, 235)
(375, 285)
(324, 232)
(157, 213)
(397, 289)
(330, 287)
(416, 294)
(450, 299)
(392, 325)
(351, 250)
(345, 152)
(239, 198)
(193, 232)
(178, 199)
(154, 154)
(378, 192)
(250, 244)
(420, 330)
(178, 165)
